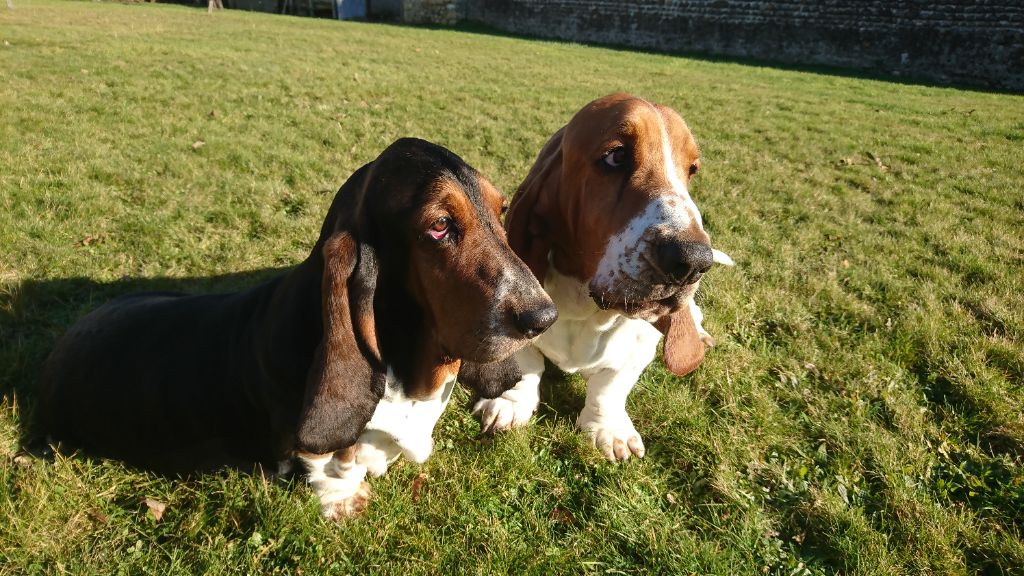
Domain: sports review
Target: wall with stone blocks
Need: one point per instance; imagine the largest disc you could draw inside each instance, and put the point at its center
(430, 12)
(979, 43)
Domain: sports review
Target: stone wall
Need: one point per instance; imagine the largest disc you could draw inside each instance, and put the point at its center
(430, 12)
(386, 9)
(978, 42)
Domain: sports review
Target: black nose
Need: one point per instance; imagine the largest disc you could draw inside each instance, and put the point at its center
(684, 262)
(534, 321)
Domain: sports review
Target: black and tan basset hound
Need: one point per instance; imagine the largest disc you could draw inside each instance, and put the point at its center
(345, 362)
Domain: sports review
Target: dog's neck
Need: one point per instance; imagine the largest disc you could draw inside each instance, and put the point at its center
(572, 296)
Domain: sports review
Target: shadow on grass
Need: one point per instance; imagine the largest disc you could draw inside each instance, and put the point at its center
(34, 313)
(559, 397)
(951, 400)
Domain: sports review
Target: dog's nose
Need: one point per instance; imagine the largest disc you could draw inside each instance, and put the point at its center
(534, 321)
(684, 262)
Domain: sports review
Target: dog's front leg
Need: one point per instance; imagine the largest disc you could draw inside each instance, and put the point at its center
(604, 418)
(338, 481)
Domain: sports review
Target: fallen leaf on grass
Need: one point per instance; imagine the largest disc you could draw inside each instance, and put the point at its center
(156, 508)
(417, 485)
(878, 162)
(561, 515)
(97, 515)
(198, 144)
(91, 239)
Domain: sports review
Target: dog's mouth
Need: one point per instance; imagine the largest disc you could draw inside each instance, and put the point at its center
(650, 307)
(491, 348)
(648, 293)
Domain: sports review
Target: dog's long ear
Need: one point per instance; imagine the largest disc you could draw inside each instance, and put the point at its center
(346, 379)
(529, 215)
(684, 350)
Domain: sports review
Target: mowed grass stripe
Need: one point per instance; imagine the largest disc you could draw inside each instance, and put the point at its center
(861, 414)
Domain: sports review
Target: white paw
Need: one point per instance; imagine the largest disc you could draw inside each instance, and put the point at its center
(376, 451)
(616, 442)
(498, 414)
(349, 506)
(706, 338)
(698, 320)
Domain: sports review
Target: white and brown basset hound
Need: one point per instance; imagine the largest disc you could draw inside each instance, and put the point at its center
(606, 220)
(342, 363)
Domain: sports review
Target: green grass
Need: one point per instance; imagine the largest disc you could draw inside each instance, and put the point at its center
(862, 413)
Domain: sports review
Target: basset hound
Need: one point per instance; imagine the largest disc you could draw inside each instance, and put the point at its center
(605, 218)
(344, 362)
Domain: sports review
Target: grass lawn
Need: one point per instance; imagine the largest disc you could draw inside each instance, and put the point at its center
(862, 413)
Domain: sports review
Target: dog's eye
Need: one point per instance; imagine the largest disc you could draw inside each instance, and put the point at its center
(693, 169)
(439, 229)
(615, 157)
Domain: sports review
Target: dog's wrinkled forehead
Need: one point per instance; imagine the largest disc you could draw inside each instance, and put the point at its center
(654, 135)
(417, 169)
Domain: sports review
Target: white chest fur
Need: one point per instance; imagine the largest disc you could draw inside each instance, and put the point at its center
(401, 426)
(609, 349)
(585, 337)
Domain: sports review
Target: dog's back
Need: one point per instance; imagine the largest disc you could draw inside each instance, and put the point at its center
(103, 389)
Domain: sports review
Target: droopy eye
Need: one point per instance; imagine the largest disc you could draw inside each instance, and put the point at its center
(439, 229)
(615, 157)
(693, 169)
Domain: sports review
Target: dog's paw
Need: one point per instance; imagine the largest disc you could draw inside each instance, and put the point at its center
(498, 414)
(347, 507)
(616, 442)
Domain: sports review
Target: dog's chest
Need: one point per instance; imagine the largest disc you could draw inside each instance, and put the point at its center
(402, 424)
(586, 337)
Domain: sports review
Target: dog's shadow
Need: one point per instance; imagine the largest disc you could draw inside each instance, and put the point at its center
(34, 313)
(561, 395)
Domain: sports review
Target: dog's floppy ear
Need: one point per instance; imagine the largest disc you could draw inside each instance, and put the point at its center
(346, 380)
(527, 219)
(684, 350)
